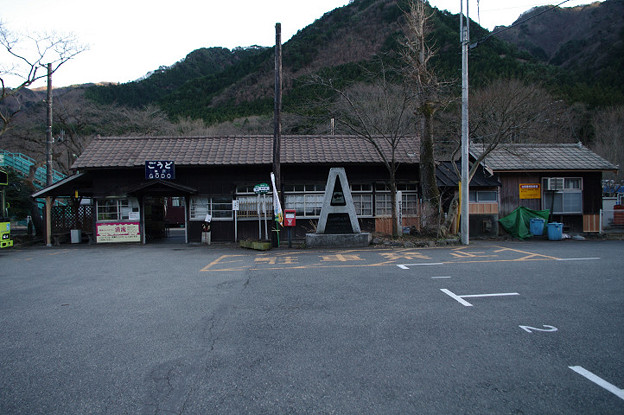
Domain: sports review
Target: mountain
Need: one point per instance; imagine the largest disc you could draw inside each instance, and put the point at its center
(576, 53)
(587, 41)
(345, 44)
(154, 86)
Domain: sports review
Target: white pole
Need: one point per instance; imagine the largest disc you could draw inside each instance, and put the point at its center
(600, 229)
(235, 226)
(259, 219)
(266, 228)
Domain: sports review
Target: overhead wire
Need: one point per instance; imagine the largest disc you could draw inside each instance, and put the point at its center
(516, 23)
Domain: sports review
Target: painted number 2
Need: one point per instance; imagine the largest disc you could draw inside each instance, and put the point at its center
(546, 328)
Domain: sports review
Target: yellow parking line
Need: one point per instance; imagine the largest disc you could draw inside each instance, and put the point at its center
(528, 254)
(288, 260)
(219, 261)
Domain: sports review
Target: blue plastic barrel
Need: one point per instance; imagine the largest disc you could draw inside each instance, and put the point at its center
(555, 231)
(537, 226)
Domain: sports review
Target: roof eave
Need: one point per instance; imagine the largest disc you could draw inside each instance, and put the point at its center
(552, 170)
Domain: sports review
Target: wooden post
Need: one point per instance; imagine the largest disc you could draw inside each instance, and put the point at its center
(49, 129)
(48, 221)
(48, 209)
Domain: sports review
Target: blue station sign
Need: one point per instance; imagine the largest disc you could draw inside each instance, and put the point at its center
(160, 169)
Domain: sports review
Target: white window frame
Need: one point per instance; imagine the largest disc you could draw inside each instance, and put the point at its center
(570, 191)
(363, 204)
(306, 199)
(219, 207)
(115, 209)
(362, 194)
(409, 199)
(478, 196)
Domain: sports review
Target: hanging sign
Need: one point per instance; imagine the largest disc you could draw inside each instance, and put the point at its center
(262, 189)
(160, 169)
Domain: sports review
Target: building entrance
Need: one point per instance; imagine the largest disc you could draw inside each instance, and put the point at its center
(165, 219)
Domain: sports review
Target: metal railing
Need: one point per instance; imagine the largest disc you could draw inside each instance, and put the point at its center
(21, 163)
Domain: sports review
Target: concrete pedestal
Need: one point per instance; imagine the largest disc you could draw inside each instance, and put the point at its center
(338, 240)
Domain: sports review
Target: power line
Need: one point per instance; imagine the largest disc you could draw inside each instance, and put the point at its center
(517, 23)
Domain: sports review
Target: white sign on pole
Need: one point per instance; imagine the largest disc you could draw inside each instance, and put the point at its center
(235, 208)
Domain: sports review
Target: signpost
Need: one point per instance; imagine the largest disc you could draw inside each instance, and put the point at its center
(235, 208)
(262, 189)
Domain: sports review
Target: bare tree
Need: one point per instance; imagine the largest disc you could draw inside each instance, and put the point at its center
(609, 143)
(378, 112)
(509, 111)
(28, 57)
(428, 95)
(77, 121)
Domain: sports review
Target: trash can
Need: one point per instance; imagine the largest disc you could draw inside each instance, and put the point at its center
(76, 236)
(206, 234)
(555, 231)
(537, 226)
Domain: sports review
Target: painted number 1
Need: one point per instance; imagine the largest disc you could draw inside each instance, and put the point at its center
(547, 329)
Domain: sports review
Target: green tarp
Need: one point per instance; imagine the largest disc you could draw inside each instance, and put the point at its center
(518, 222)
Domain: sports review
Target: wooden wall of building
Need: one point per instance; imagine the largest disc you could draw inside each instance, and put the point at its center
(510, 193)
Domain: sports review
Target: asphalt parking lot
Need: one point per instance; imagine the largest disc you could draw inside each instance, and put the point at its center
(509, 327)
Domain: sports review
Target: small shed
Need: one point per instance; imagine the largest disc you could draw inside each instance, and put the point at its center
(564, 178)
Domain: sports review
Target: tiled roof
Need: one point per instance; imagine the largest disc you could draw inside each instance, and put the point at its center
(239, 150)
(540, 157)
(447, 177)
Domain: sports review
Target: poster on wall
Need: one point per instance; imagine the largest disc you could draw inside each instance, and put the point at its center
(118, 232)
(530, 191)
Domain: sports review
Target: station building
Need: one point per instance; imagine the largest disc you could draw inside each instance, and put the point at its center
(138, 189)
(144, 189)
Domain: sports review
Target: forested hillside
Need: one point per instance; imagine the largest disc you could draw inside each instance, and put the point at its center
(220, 91)
(344, 45)
(165, 80)
(586, 41)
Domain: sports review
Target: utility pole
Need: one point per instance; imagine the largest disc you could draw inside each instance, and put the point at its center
(49, 158)
(464, 33)
(277, 111)
(277, 122)
(49, 129)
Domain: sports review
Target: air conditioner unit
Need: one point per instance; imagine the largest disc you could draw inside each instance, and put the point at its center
(554, 183)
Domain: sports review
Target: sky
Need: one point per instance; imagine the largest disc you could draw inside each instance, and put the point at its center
(126, 39)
